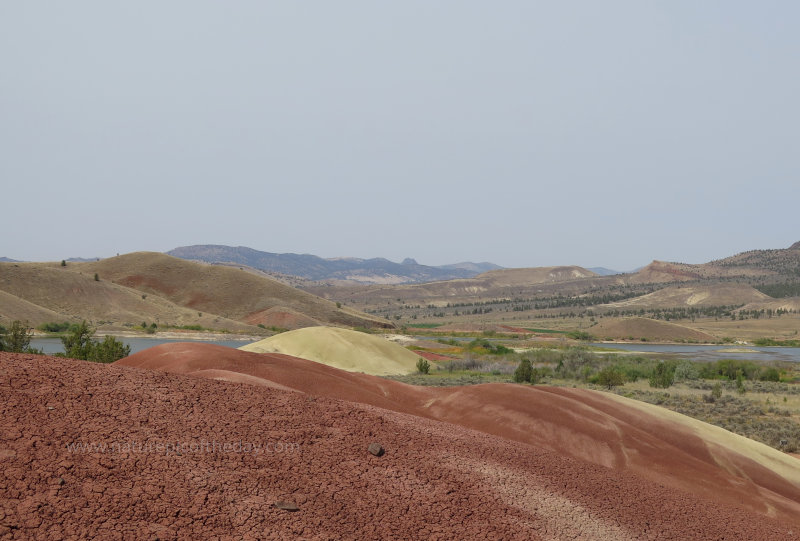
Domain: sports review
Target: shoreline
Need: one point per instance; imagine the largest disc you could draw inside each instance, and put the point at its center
(169, 335)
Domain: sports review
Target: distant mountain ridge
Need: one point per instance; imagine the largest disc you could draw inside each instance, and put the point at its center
(310, 267)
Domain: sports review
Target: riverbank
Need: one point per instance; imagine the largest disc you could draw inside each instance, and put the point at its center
(182, 335)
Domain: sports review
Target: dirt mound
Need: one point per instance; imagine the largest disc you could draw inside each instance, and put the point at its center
(341, 348)
(636, 328)
(108, 451)
(282, 317)
(586, 425)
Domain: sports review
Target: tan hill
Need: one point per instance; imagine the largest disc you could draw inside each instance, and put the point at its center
(687, 296)
(619, 437)
(750, 264)
(230, 292)
(341, 348)
(13, 308)
(71, 294)
(767, 262)
(789, 304)
(661, 271)
(492, 284)
(535, 275)
(651, 329)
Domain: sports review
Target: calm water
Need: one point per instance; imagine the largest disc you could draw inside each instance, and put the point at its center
(53, 345)
(713, 353)
(688, 351)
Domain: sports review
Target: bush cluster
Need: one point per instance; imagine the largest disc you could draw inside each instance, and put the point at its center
(80, 344)
(17, 338)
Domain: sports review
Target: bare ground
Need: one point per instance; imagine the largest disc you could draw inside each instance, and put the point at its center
(436, 480)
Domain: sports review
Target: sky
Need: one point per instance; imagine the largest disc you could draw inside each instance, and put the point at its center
(523, 133)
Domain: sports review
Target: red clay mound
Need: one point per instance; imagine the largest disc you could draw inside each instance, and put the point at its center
(279, 316)
(586, 425)
(89, 450)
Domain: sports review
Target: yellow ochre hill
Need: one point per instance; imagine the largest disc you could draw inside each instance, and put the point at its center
(341, 348)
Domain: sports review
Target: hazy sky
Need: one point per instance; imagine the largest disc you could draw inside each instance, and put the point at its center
(523, 133)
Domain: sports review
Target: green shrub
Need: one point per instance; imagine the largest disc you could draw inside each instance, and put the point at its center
(482, 344)
(17, 338)
(610, 377)
(423, 366)
(108, 351)
(580, 335)
(523, 372)
(686, 371)
(770, 374)
(729, 368)
(80, 344)
(663, 375)
(55, 327)
(740, 383)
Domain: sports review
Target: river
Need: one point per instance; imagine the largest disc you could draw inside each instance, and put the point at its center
(713, 353)
(53, 345)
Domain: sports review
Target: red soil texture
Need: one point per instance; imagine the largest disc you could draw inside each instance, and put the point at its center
(583, 424)
(165, 472)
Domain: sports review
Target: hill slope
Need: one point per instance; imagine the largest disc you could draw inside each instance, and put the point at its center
(230, 292)
(341, 348)
(750, 264)
(638, 327)
(153, 287)
(616, 433)
(496, 283)
(157, 455)
(13, 308)
(46, 292)
(699, 295)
